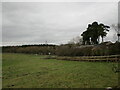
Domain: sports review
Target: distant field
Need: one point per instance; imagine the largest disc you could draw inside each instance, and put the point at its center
(31, 71)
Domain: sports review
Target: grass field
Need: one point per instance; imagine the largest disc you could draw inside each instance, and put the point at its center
(31, 71)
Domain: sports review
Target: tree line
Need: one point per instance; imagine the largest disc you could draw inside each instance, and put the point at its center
(90, 37)
(105, 48)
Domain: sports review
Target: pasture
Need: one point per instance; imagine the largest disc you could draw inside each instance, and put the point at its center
(34, 71)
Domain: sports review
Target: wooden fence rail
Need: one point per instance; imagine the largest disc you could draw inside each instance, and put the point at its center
(111, 58)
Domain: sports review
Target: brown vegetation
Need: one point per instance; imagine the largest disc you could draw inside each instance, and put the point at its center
(102, 49)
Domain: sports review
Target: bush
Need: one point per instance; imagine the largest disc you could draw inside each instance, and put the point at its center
(67, 50)
(96, 50)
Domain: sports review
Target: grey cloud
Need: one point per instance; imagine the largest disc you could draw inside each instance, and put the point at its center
(56, 22)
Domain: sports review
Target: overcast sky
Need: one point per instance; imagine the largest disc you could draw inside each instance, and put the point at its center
(54, 22)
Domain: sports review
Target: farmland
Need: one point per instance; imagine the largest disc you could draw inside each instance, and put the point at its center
(34, 71)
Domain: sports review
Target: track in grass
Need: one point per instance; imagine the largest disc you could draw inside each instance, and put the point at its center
(31, 71)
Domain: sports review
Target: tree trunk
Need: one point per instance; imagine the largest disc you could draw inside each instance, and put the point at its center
(98, 40)
(118, 38)
(102, 40)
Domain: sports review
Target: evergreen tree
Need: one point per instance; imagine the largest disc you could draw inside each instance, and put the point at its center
(94, 32)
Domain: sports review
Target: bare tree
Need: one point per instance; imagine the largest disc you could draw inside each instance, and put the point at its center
(76, 40)
(117, 30)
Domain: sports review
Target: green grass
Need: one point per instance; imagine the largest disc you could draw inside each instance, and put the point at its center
(31, 71)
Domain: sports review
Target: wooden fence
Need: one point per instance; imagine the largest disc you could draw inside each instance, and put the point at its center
(111, 58)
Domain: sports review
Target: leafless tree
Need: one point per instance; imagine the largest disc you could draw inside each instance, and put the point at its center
(116, 27)
(76, 40)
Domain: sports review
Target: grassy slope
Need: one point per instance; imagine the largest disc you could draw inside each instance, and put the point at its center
(30, 71)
